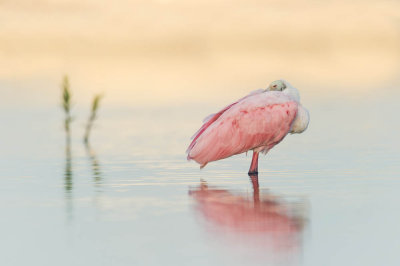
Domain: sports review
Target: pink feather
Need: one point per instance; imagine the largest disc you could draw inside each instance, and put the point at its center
(256, 122)
(211, 118)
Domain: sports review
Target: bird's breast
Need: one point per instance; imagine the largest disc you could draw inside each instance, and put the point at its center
(301, 121)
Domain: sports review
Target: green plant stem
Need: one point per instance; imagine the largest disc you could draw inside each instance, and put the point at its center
(92, 118)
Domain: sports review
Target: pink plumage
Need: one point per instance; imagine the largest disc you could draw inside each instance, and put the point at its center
(256, 122)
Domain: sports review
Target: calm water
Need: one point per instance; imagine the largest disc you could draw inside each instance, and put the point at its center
(327, 197)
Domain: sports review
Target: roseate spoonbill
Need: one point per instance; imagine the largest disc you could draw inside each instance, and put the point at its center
(256, 122)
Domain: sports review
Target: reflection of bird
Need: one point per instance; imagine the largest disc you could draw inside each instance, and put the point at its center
(267, 215)
(256, 122)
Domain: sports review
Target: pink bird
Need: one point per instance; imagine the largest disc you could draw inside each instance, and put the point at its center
(256, 122)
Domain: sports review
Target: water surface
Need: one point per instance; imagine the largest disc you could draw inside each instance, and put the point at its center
(325, 197)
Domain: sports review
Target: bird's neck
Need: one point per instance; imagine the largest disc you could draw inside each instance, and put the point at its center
(293, 93)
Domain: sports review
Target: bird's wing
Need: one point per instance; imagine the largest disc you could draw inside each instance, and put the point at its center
(258, 121)
(209, 117)
(213, 117)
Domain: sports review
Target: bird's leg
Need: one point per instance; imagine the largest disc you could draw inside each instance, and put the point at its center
(256, 189)
(254, 164)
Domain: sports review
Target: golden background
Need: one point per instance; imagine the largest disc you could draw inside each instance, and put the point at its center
(177, 52)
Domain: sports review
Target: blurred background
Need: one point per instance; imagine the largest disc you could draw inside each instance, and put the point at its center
(129, 197)
(171, 51)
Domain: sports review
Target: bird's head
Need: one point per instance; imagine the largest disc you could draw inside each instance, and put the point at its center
(285, 87)
(277, 85)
